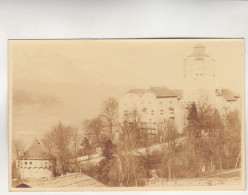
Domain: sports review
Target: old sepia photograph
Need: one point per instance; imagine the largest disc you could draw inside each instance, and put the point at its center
(126, 114)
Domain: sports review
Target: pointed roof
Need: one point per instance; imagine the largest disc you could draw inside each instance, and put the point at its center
(199, 45)
(35, 152)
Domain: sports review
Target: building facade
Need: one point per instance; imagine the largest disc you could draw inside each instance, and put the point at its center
(35, 163)
(158, 104)
(150, 107)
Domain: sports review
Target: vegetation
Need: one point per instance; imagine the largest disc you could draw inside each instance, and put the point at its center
(211, 142)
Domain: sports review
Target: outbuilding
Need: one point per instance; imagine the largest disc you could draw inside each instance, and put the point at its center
(35, 163)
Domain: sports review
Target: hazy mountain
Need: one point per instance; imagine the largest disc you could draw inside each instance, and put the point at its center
(38, 106)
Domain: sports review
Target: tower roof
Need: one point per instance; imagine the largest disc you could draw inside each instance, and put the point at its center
(199, 51)
(35, 152)
(199, 45)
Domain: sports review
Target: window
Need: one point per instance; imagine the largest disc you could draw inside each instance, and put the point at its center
(152, 112)
(26, 163)
(30, 163)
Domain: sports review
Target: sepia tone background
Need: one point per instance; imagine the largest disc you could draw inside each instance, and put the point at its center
(68, 80)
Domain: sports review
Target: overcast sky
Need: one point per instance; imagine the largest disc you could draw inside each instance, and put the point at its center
(41, 68)
(137, 63)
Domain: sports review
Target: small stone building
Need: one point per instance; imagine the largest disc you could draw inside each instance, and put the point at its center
(35, 163)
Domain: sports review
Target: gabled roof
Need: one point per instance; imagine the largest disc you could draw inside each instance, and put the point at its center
(35, 152)
(160, 92)
(138, 92)
(229, 95)
(178, 92)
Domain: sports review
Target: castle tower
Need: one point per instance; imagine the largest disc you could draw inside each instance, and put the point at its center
(199, 76)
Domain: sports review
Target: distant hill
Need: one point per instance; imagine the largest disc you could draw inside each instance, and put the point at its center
(38, 106)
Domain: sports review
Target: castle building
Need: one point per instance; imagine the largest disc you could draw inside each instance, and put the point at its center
(158, 104)
(35, 163)
(150, 107)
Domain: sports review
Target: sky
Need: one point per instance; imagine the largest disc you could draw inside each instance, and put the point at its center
(138, 63)
(45, 74)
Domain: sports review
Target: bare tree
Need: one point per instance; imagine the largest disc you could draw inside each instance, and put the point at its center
(109, 114)
(49, 143)
(75, 145)
(93, 131)
(168, 135)
(62, 134)
(18, 150)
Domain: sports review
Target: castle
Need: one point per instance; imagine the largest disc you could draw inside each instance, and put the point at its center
(158, 104)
